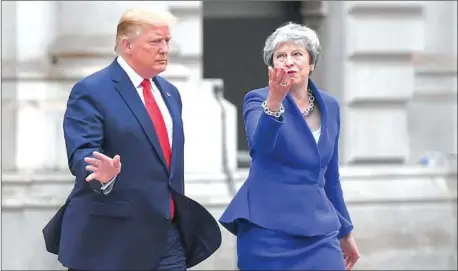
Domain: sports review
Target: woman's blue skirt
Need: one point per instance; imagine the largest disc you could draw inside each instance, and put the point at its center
(264, 249)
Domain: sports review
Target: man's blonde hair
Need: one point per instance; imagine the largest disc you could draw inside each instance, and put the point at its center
(134, 20)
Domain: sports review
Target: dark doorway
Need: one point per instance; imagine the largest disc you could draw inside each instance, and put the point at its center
(234, 35)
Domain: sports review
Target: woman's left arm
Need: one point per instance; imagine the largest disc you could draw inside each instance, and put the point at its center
(333, 187)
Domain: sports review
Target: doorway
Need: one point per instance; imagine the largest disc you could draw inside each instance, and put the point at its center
(234, 35)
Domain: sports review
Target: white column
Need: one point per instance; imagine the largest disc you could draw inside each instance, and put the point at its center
(35, 21)
(35, 30)
(8, 23)
(453, 26)
(8, 88)
(29, 26)
(440, 27)
(366, 56)
(433, 108)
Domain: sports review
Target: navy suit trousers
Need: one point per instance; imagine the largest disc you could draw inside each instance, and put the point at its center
(174, 257)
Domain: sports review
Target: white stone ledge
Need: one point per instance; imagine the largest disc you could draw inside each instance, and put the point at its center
(346, 173)
(361, 186)
(314, 9)
(385, 8)
(435, 63)
(65, 177)
(100, 45)
(223, 201)
(185, 8)
(367, 79)
(65, 71)
(378, 101)
(381, 56)
(371, 33)
(435, 78)
(438, 98)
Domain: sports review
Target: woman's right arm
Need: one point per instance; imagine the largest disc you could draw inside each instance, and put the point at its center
(261, 129)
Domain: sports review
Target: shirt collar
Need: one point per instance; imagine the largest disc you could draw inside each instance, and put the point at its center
(134, 77)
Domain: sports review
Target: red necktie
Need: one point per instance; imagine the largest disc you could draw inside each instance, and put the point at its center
(159, 125)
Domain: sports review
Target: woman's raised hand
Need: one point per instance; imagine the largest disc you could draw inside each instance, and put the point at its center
(279, 86)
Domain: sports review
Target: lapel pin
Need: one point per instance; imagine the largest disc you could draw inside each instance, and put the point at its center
(168, 94)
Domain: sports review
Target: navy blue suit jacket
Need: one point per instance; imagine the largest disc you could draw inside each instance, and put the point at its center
(293, 185)
(126, 229)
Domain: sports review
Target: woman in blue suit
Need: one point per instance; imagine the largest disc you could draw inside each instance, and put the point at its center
(290, 213)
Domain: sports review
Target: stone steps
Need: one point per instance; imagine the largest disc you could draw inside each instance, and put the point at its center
(362, 185)
(404, 217)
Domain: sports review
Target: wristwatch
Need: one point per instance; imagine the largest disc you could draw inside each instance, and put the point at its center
(272, 113)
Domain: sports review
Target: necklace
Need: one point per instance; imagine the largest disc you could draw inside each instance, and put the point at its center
(311, 104)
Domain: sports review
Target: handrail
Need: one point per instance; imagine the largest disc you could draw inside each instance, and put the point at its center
(218, 91)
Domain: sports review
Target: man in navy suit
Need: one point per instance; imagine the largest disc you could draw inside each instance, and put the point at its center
(124, 137)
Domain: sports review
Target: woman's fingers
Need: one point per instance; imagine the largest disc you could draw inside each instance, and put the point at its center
(279, 74)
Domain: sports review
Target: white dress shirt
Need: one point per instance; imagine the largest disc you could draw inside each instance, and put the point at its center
(136, 80)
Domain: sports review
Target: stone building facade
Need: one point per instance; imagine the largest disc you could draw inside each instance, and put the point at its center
(391, 64)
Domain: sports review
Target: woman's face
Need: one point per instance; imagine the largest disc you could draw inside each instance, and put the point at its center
(295, 59)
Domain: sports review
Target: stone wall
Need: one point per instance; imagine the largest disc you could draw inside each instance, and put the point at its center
(370, 61)
(36, 79)
(405, 218)
(392, 65)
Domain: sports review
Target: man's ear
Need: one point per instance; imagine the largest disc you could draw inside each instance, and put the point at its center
(126, 46)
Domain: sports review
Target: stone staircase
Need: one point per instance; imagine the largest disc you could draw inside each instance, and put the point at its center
(405, 217)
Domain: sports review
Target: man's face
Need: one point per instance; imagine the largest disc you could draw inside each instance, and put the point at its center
(149, 51)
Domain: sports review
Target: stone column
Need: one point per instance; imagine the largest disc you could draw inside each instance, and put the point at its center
(24, 53)
(367, 60)
(433, 108)
(34, 31)
(314, 16)
(440, 27)
(8, 88)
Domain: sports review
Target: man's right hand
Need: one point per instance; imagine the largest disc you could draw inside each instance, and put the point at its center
(279, 86)
(103, 168)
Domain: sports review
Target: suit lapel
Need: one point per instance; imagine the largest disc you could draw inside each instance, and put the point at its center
(299, 119)
(128, 92)
(164, 89)
(303, 123)
(324, 115)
